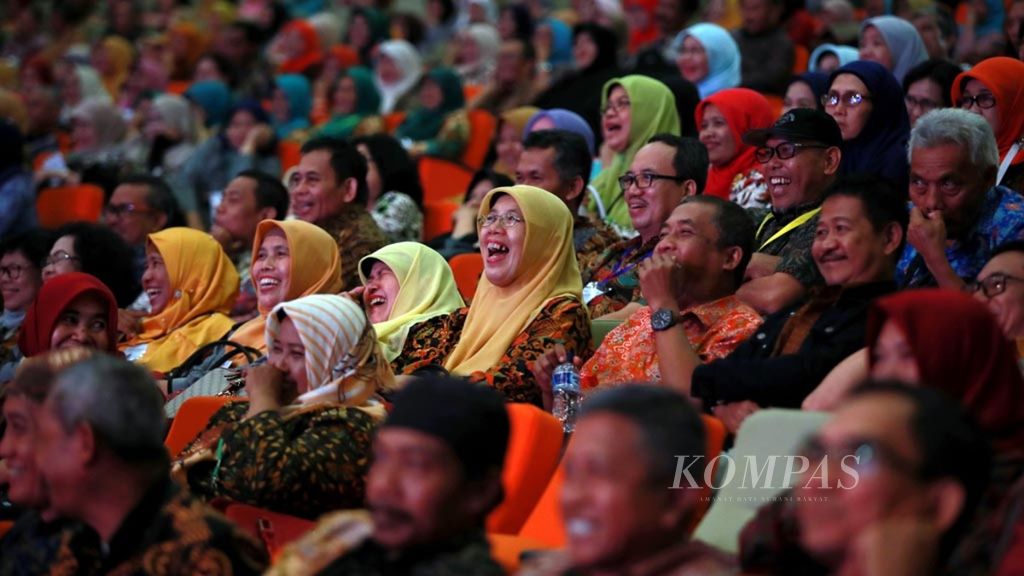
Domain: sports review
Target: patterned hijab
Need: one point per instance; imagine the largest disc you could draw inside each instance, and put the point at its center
(316, 269)
(344, 364)
(653, 111)
(203, 285)
(426, 289)
(547, 270)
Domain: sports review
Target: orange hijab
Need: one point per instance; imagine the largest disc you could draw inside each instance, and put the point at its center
(1004, 77)
(743, 110)
(204, 286)
(312, 53)
(316, 269)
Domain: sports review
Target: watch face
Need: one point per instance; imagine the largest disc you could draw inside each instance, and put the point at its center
(661, 319)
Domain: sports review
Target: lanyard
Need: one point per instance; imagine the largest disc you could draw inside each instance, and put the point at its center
(621, 267)
(1005, 165)
(796, 223)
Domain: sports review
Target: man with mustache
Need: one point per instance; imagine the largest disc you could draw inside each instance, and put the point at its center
(436, 475)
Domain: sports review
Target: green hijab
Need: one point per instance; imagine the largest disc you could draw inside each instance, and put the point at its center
(425, 123)
(653, 111)
(367, 104)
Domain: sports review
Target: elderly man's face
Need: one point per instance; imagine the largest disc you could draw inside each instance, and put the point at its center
(416, 491)
(17, 448)
(613, 513)
(870, 436)
(61, 457)
(1002, 289)
(944, 182)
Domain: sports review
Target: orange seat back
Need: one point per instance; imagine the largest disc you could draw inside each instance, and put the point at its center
(482, 125)
(714, 441)
(5, 527)
(58, 206)
(392, 121)
(471, 91)
(437, 219)
(190, 420)
(467, 268)
(288, 153)
(776, 104)
(534, 447)
(443, 181)
(801, 56)
(178, 87)
(506, 550)
(545, 524)
(273, 529)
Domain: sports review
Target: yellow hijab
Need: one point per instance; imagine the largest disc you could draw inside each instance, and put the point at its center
(518, 118)
(316, 269)
(121, 54)
(426, 289)
(547, 270)
(204, 286)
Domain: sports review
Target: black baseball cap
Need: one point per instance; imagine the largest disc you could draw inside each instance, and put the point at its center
(799, 124)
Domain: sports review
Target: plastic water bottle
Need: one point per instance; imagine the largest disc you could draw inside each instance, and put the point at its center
(565, 387)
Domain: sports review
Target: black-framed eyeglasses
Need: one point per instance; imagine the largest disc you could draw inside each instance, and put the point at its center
(993, 285)
(616, 107)
(985, 100)
(58, 257)
(784, 151)
(921, 103)
(506, 220)
(862, 454)
(118, 210)
(645, 180)
(851, 99)
(13, 271)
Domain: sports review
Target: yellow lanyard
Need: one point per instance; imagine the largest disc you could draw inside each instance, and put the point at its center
(796, 223)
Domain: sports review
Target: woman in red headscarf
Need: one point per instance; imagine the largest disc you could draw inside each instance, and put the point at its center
(71, 310)
(733, 172)
(994, 89)
(296, 49)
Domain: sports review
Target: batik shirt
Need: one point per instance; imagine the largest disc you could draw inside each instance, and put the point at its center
(357, 235)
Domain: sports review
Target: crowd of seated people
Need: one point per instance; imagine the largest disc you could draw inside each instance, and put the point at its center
(315, 259)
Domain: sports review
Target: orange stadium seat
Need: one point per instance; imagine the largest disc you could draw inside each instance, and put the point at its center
(288, 154)
(714, 441)
(443, 181)
(190, 421)
(437, 219)
(392, 121)
(545, 524)
(482, 125)
(801, 56)
(467, 269)
(58, 206)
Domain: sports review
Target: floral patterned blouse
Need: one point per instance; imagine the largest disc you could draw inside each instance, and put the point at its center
(750, 190)
(562, 320)
(305, 463)
(398, 216)
(629, 353)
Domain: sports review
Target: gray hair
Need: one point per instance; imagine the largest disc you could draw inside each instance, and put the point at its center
(956, 126)
(119, 401)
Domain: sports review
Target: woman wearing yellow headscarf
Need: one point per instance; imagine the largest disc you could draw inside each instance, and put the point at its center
(191, 284)
(633, 109)
(290, 259)
(529, 297)
(509, 143)
(408, 289)
(301, 444)
(113, 59)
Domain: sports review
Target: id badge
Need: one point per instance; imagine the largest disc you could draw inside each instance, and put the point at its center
(590, 291)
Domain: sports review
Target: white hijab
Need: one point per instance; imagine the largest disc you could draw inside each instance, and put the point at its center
(407, 60)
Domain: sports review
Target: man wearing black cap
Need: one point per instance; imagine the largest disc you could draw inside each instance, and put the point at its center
(801, 157)
(436, 475)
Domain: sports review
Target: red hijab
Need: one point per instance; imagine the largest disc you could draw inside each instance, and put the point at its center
(744, 110)
(54, 296)
(312, 55)
(960, 350)
(1004, 77)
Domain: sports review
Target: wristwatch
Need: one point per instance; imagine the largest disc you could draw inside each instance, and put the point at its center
(663, 319)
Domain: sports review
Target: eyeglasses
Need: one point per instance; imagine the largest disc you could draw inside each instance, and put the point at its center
(851, 99)
(13, 272)
(992, 286)
(58, 257)
(507, 220)
(784, 151)
(118, 210)
(645, 180)
(866, 454)
(923, 103)
(985, 100)
(616, 107)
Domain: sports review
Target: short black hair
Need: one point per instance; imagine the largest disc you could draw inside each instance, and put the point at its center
(940, 427)
(497, 180)
(735, 228)
(34, 244)
(572, 157)
(690, 160)
(882, 204)
(159, 196)
(346, 162)
(670, 427)
(942, 72)
(104, 254)
(270, 192)
(398, 171)
(524, 25)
